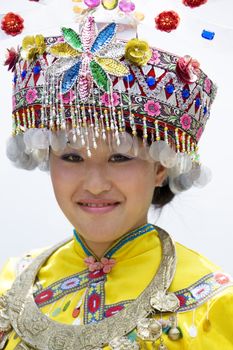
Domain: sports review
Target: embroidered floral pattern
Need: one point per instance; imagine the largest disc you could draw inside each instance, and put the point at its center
(31, 95)
(152, 108)
(155, 58)
(186, 121)
(207, 85)
(110, 100)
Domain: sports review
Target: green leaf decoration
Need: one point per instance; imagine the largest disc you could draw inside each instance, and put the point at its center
(72, 38)
(100, 77)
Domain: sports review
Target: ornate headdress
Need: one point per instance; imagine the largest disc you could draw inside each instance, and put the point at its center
(80, 87)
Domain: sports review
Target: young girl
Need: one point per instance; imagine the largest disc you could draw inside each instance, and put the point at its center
(117, 125)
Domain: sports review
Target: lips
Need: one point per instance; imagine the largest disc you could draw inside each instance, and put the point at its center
(98, 206)
(97, 203)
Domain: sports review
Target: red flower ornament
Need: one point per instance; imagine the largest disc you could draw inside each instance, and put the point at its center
(12, 24)
(194, 3)
(188, 69)
(167, 21)
(12, 57)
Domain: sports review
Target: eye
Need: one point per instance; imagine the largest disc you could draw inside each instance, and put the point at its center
(117, 158)
(72, 158)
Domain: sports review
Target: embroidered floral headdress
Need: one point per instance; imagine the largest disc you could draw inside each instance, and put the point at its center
(79, 87)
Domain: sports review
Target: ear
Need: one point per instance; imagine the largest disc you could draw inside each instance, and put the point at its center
(160, 174)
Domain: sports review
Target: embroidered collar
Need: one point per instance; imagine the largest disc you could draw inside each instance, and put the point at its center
(120, 243)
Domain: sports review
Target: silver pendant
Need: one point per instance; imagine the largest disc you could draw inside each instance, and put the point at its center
(164, 302)
(149, 329)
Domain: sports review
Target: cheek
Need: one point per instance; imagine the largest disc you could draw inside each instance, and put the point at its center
(136, 180)
(62, 179)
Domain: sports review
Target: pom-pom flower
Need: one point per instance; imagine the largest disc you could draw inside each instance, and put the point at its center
(33, 46)
(167, 21)
(194, 3)
(188, 69)
(11, 59)
(12, 24)
(138, 52)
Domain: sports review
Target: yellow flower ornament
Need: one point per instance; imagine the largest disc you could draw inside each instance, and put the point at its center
(32, 47)
(138, 52)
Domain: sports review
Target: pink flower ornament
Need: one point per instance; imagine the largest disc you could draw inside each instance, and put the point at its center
(31, 95)
(188, 69)
(107, 264)
(104, 264)
(92, 264)
(152, 108)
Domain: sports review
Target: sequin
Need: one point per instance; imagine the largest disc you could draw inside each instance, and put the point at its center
(36, 69)
(197, 102)
(100, 76)
(109, 4)
(170, 88)
(104, 37)
(23, 74)
(185, 93)
(72, 38)
(151, 81)
(113, 51)
(207, 35)
(63, 50)
(113, 67)
(70, 77)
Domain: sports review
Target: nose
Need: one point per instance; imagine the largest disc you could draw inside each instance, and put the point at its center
(97, 179)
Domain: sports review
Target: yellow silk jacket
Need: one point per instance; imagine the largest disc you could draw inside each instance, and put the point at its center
(68, 292)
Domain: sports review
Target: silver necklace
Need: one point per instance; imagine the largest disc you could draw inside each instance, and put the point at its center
(38, 331)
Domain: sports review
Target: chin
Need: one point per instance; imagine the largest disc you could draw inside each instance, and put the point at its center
(100, 232)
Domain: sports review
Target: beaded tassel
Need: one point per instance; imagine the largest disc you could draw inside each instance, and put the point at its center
(183, 143)
(33, 118)
(157, 134)
(177, 140)
(18, 123)
(166, 135)
(188, 144)
(29, 118)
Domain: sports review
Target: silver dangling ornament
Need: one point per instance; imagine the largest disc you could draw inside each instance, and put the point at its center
(123, 343)
(149, 329)
(164, 302)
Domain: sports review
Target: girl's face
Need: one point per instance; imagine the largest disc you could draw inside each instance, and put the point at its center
(104, 196)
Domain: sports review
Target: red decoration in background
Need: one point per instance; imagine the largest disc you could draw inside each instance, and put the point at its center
(194, 3)
(167, 21)
(11, 59)
(12, 24)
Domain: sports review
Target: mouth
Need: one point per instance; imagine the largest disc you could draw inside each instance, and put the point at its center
(98, 208)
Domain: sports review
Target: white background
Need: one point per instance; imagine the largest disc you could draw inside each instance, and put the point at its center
(200, 219)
